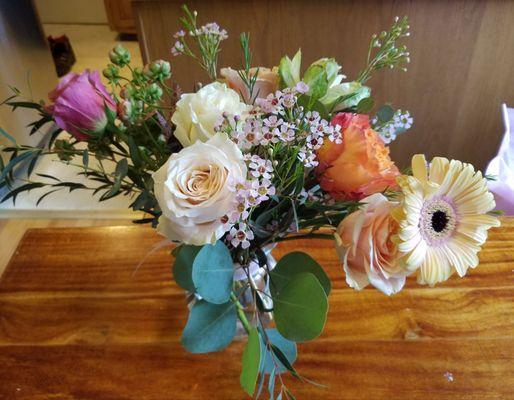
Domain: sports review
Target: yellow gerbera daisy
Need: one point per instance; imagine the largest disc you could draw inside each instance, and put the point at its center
(443, 218)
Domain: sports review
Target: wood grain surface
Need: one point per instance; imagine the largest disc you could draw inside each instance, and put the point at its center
(79, 321)
(461, 69)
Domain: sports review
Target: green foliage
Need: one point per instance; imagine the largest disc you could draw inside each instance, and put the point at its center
(183, 267)
(300, 309)
(251, 362)
(292, 265)
(210, 327)
(213, 273)
(273, 343)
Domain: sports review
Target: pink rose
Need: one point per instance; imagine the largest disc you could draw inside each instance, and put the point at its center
(366, 249)
(267, 82)
(79, 103)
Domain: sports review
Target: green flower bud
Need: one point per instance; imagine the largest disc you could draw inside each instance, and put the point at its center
(329, 65)
(138, 75)
(112, 72)
(119, 55)
(159, 70)
(154, 92)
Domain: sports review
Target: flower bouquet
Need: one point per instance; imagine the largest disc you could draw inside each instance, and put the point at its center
(256, 157)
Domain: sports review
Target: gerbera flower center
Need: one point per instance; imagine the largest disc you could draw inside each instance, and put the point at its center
(438, 220)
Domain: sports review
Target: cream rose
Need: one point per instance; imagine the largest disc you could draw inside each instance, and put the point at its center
(193, 190)
(198, 113)
(364, 241)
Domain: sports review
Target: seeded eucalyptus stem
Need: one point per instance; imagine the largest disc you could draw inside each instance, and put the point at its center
(240, 313)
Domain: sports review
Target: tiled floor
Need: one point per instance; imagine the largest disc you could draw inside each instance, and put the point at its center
(91, 44)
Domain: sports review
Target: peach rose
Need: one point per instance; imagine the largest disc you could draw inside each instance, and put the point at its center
(360, 165)
(267, 82)
(366, 249)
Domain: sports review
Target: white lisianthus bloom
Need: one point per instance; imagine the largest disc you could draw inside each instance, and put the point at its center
(198, 113)
(194, 190)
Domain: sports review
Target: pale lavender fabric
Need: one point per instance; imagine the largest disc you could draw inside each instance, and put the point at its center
(502, 166)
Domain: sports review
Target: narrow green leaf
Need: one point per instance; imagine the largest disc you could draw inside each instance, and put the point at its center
(33, 162)
(13, 162)
(251, 362)
(213, 273)
(301, 307)
(24, 188)
(183, 266)
(24, 104)
(210, 327)
(121, 169)
(45, 195)
(6, 135)
(268, 355)
(49, 177)
(70, 185)
(85, 159)
(293, 264)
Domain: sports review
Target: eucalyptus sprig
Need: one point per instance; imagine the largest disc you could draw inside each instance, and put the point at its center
(384, 51)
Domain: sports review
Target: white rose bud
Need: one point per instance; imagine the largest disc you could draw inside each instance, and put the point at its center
(197, 113)
(193, 190)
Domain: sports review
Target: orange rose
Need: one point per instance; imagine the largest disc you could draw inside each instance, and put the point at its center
(267, 82)
(360, 165)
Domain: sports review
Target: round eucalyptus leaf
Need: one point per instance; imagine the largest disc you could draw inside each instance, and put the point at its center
(210, 327)
(183, 266)
(301, 308)
(293, 264)
(213, 273)
(385, 113)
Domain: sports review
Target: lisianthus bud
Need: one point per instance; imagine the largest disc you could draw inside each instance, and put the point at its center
(119, 55)
(327, 65)
(159, 70)
(112, 72)
(80, 103)
(139, 75)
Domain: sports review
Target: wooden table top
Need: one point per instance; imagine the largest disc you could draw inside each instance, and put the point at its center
(76, 322)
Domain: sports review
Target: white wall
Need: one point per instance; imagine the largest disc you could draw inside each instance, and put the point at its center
(71, 11)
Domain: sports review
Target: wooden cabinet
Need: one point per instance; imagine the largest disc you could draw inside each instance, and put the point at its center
(119, 14)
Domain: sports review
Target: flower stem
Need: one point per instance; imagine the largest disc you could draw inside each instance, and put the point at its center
(240, 313)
